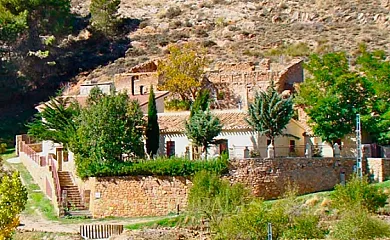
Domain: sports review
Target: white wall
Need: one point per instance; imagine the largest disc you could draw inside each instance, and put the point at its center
(239, 140)
(49, 147)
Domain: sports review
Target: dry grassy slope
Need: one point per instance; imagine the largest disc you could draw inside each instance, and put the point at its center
(247, 30)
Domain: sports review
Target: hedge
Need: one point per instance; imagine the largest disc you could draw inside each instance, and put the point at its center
(158, 167)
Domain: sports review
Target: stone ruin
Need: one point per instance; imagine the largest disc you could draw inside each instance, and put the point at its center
(233, 85)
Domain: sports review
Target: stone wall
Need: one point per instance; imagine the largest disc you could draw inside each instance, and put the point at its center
(137, 196)
(268, 178)
(379, 169)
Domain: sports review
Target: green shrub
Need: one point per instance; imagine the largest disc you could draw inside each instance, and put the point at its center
(289, 221)
(177, 105)
(158, 167)
(358, 224)
(3, 148)
(214, 198)
(304, 226)
(358, 193)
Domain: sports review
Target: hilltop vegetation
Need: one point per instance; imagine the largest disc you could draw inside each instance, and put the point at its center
(41, 53)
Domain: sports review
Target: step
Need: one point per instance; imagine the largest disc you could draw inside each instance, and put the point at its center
(80, 213)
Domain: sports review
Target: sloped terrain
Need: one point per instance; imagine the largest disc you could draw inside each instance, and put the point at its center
(235, 30)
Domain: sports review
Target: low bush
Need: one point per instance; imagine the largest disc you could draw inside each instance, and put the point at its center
(213, 198)
(3, 148)
(359, 224)
(158, 167)
(172, 12)
(358, 193)
(287, 217)
(177, 105)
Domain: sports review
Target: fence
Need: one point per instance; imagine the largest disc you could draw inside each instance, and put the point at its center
(100, 231)
(34, 156)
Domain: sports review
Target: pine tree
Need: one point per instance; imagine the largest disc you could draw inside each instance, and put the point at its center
(104, 15)
(201, 102)
(202, 128)
(270, 113)
(152, 129)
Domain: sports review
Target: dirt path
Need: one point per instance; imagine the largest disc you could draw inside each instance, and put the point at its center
(37, 221)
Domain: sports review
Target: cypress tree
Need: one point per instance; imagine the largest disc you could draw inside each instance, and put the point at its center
(152, 129)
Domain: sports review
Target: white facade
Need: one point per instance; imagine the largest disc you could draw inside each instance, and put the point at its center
(240, 140)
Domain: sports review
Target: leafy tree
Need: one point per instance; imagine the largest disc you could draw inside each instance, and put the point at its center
(376, 67)
(202, 128)
(110, 127)
(270, 113)
(333, 95)
(152, 129)
(105, 15)
(13, 198)
(201, 102)
(182, 72)
(56, 122)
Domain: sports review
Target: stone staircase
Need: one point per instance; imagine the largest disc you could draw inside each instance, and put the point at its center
(74, 203)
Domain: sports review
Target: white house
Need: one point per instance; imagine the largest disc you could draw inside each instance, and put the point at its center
(237, 137)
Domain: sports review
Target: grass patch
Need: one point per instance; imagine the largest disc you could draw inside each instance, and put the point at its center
(9, 153)
(166, 222)
(37, 201)
(42, 235)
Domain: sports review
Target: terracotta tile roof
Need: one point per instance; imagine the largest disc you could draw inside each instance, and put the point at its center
(173, 122)
(82, 99)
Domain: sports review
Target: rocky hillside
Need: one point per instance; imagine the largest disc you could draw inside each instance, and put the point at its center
(235, 30)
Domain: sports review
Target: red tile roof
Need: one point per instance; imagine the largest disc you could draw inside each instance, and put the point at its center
(173, 122)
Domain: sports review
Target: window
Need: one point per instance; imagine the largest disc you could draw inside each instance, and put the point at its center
(292, 146)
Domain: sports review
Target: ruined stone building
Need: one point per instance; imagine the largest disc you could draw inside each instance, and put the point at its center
(233, 85)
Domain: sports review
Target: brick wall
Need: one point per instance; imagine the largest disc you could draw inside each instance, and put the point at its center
(268, 178)
(137, 196)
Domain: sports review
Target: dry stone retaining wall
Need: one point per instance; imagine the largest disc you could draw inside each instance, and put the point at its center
(379, 168)
(137, 196)
(268, 178)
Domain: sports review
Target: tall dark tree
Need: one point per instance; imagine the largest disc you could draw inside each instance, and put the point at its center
(202, 128)
(201, 103)
(104, 15)
(152, 129)
(270, 113)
